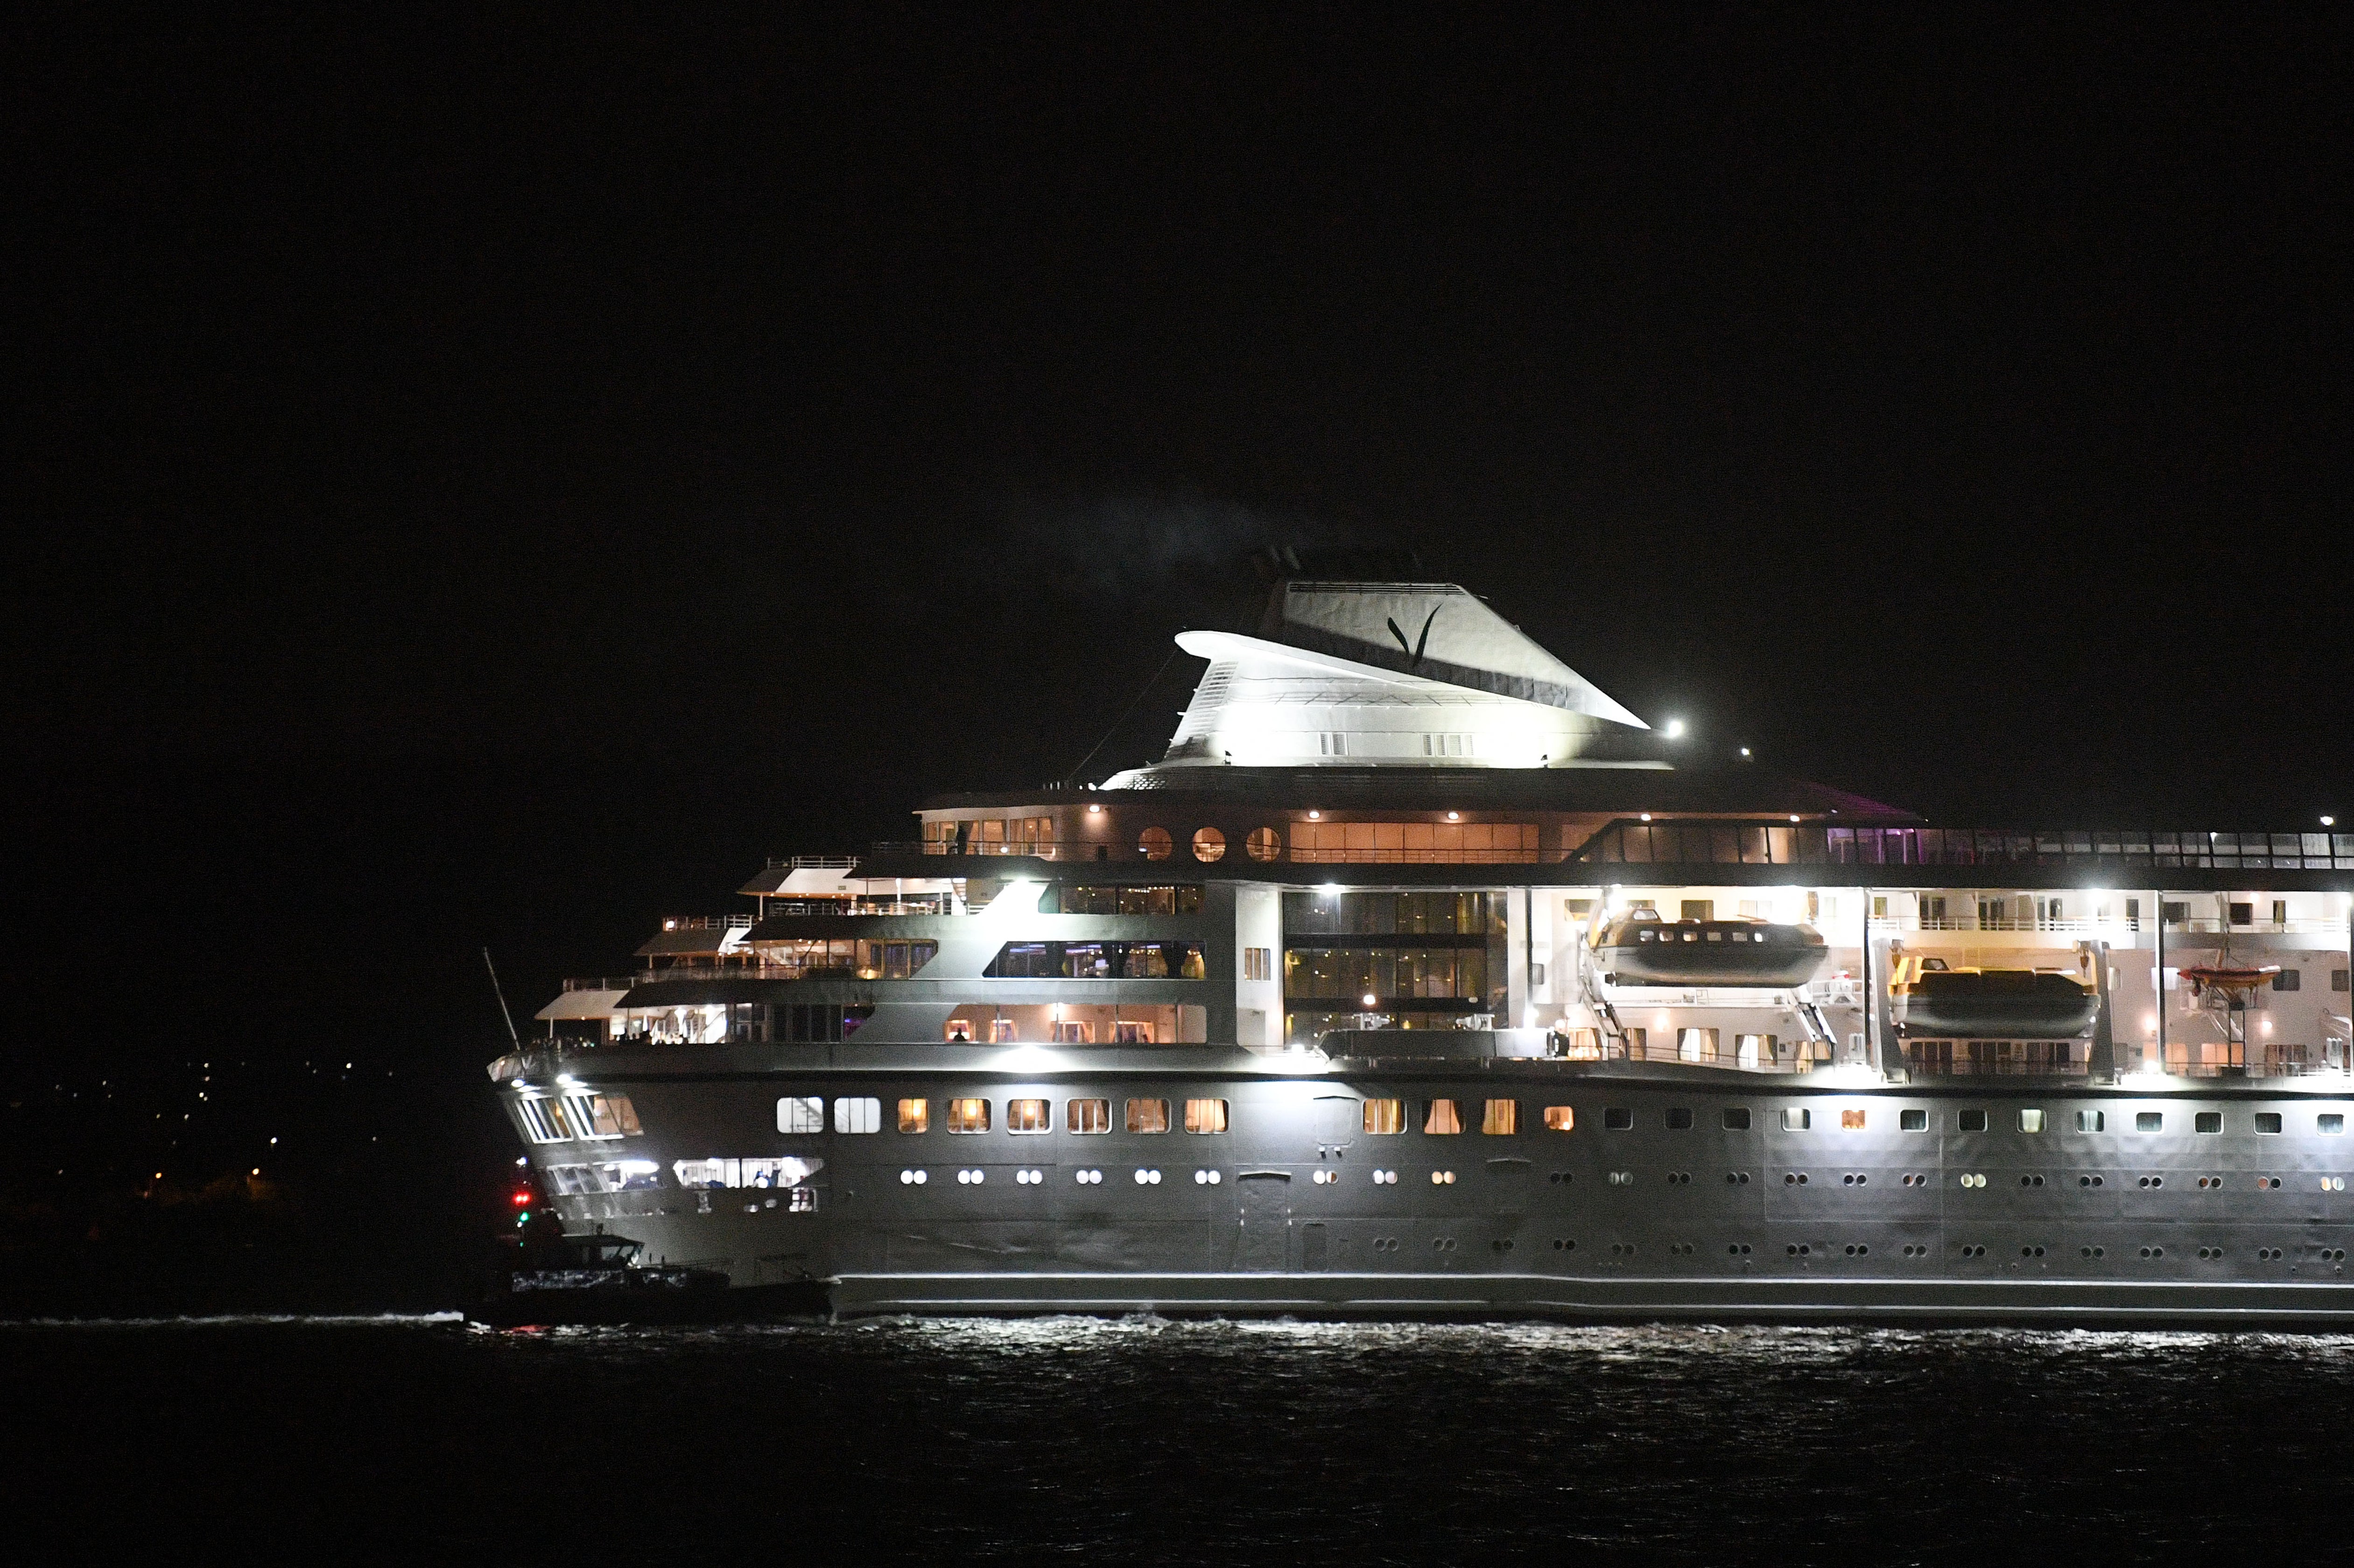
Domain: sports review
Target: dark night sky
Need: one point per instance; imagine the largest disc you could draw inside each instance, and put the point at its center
(494, 483)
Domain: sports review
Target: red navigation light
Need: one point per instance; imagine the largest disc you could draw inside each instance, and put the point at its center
(522, 1197)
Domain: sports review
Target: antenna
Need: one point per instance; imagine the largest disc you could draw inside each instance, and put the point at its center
(499, 991)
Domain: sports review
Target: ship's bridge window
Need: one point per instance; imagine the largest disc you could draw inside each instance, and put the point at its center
(2031, 1121)
(1796, 1118)
(2268, 1123)
(915, 1116)
(586, 1118)
(800, 1113)
(1618, 1118)
(1029, 1116)
(968, 1116)
(1501, 1118)
(1147, 1116)
(1970, 1121)
(619, 1176)
(1205, 1115)
(1736, 1119)
(1560, 1118)
(1088, 1116)
(1384, 1117)
(858, 1115)
(2149, 1121)
(1442, 1118)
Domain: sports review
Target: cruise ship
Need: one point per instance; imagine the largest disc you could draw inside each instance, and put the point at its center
(1419, 977)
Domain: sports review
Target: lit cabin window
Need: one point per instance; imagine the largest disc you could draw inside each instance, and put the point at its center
(857, 1116)
(1618, 1118)
(969, 1116)
(1154, 843)
(764, 1172)
(2149, 1121)
(1501, 1118)
(958, 1032)
(1679, 1119)
(1442, 1118)
(2330, 1124)
(1852, 1119)
(2268, 1123)
(1970, 1121)
(1147, 1116)
(2097, 1121)
(2031, 1121)
(1915, 1120)
(1795, 1119)
(1088, 1116)
(800, 1113)
(588, 1118)
(2207, 1121)
(915, 1116)
(1736, 1119)
(1029, 1116)
(1384, 1117)
(1560, 1118)
(1205, 1115)
(612, 1115)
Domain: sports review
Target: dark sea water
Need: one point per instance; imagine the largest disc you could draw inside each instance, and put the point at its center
(1142, 1440)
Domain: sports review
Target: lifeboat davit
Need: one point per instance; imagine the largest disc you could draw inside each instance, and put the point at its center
(1636, 951)
(1937, 1002)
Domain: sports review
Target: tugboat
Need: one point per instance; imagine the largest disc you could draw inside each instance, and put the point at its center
(600, 1278)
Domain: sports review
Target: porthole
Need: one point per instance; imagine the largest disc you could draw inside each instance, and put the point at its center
(1262, 844)
(1155, 844)
(1563, 1244)
(1209, 845)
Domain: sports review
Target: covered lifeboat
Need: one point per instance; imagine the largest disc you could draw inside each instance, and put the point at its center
(1643, 949)
(1931, 1000)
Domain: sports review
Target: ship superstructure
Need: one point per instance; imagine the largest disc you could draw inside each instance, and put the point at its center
(1421, 975)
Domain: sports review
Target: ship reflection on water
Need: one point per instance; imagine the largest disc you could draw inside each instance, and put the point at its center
(1142, 1439)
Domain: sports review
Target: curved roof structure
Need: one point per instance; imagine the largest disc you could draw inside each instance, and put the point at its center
(1390, 675)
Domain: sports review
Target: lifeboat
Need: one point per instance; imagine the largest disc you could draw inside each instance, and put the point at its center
(1933, 1001)
(2230, 981)
(1651, 951)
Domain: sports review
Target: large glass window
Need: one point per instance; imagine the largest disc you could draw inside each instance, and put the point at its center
(1097, 960)
(800, 1113)
(857, 1116)
(1101, 900)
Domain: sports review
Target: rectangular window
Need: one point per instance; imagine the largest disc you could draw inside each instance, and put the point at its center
(1852, 1120)
(1560, 1118)
(2337, 980)
(1972, 1121)
(1131, 1033)
(1736, 1119)
(1500, 1118)
(1679, 1119)
(1700, 909)
(2031, 1121)
(1088, 1116)
(1205, 1115)
(1258, 963)
(1912, 1122)
(1797, 1120)
(969, 1116)
(2289, 980)
(915, 1116)
(2149, 1121)
(800, 1113)
(1384, 1117)
(1617, 1119)
(2207, 1121)
(613, 1116)
(1147, 1116)
(2268, 1123)
(2243, 914)
(857, 1116)
(2330, 1124)
(1029, 1116)
(2091, 1121)
(1442, 1117)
